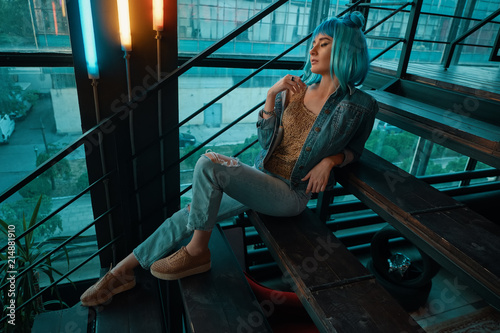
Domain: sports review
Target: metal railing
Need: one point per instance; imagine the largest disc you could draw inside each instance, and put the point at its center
(475, 28)
(449, 53)
(100, 129)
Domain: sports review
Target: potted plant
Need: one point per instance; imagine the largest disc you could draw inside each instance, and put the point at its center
(21, 254)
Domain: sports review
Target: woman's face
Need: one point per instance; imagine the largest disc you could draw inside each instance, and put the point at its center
(320, 54)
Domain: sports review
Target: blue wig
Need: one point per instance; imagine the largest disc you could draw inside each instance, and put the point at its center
(349, 60)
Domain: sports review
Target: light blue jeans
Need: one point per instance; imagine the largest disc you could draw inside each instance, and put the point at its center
(220, 191)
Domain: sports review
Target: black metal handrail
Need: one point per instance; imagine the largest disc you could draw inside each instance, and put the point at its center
(58, 210)
(60, 246)
(222, 95)
(457, 41)
(374, 6)
(454, 44)
(397, 10)
(153, 89)
(192, 62)
(99, 128)
(401, 40)
(213, 101)
(458, 176)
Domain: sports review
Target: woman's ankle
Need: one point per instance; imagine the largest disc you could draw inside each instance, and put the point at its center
(195, 250)
(126, 266)
(122, 272)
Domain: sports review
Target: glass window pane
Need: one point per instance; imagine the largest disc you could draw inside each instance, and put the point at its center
(197, 88)
(393, 28)
(34, 25)
(42, 107)
(393, 144)
(201, 23)
(444, 160)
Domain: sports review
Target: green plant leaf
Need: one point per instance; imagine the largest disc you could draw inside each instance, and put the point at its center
(29, 236)
(24, 222)
(47, 271)
(5, 227)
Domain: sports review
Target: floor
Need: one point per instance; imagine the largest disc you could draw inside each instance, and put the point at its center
(449, 299)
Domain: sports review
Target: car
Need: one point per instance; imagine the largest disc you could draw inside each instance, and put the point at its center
(7, 126)
(20, 98)
(186, 140)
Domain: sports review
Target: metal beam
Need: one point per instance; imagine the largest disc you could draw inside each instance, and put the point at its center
(409, 37)
(454, 44)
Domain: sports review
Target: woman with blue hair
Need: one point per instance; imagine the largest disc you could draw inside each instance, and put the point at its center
(308, 126)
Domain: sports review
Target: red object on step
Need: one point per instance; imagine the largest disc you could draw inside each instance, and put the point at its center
(283, 309)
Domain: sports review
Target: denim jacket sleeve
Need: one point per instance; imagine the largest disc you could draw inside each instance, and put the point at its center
(340, 127)
(357, 143)
(266, 128)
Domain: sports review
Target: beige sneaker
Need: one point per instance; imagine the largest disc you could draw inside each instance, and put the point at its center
(180, 264)
(105, 288)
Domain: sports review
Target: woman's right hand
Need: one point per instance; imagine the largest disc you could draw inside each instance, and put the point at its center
(289, 82)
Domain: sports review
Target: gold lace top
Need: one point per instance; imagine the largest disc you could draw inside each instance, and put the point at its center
(297, 122)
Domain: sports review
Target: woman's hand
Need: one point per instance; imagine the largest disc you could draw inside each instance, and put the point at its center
(292, 83)
(319, 175)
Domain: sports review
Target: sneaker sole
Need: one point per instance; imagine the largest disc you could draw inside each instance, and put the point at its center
(176, 276)
(110, 295)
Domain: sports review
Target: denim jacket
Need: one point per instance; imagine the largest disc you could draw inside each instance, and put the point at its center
(343, 125)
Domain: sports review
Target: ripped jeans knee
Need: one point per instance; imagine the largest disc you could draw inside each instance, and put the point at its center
(222, 159)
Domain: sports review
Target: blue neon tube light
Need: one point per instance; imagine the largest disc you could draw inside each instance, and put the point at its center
(88, 38)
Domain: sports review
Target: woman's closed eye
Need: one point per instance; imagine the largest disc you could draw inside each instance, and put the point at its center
(321, 45)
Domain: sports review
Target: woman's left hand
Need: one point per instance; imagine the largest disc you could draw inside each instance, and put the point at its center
(319, 175)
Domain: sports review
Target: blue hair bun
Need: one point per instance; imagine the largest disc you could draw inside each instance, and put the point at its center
(354, 20)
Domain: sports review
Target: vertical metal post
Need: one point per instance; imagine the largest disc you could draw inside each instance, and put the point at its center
(319, 12)
(421, 157)
(469, 10)
(132, 138)
(160, 123)
(365, 10)
(409, 37)
(495, 52)
(454, 28)
(33, 23)
(471, 165)
(104, 169)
